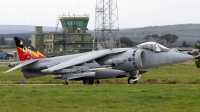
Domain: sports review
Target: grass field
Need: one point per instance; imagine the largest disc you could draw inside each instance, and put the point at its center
(166, 89)
(101, 98)
(8, 50)
(183, 73)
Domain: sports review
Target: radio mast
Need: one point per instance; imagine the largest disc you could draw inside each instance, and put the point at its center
(106, 23)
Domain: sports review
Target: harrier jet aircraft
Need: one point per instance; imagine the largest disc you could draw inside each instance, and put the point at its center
(95, 65)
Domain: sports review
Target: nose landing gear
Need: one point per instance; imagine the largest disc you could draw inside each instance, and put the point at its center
(134, 77)
(131, 80)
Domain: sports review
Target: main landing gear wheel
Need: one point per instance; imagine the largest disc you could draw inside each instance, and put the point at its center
(88, 82)
(65, 81)
(131, 80)
(97, 82)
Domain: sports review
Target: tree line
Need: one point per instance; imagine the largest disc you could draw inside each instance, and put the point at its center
(167, 39)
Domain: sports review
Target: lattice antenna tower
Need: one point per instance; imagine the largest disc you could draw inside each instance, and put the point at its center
(106, 23)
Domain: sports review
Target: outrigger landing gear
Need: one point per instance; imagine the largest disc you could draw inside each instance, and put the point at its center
(65, 81)
(134, 77)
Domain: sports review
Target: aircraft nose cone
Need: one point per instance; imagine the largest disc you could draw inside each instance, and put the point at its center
(181, 57)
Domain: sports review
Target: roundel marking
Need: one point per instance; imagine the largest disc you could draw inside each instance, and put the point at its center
(129, 59)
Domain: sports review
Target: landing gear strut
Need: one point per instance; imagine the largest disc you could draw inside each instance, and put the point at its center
(65, 81)
(131, 80)
(134, 77)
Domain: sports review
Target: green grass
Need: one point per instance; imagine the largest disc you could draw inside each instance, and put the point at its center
(183, 73)
(180, 73)
(8, 50)
(166, 89)
(101, 98)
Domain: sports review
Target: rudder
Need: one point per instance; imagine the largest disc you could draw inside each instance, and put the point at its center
(26, 51)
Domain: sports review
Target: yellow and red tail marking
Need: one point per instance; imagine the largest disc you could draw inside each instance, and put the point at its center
(27, 54)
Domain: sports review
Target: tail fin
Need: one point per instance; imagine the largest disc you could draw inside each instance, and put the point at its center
(26, 51)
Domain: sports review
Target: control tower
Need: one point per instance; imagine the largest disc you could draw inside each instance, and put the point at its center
(72, 39)
(74, 24)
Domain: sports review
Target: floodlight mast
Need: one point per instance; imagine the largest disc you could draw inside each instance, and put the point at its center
(106, 23)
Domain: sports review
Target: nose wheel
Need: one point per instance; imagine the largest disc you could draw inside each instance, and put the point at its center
(134, 77)
(131, 80)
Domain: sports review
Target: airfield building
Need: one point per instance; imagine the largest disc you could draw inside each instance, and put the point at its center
(72, 39)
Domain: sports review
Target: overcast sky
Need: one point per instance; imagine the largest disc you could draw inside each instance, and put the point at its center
(132, 13)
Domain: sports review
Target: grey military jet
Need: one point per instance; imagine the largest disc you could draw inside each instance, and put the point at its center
(95, 65)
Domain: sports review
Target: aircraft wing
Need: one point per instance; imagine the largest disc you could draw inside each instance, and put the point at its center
(78, 60)
(21, 65)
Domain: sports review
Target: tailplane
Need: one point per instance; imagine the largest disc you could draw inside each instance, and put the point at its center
(26, 51)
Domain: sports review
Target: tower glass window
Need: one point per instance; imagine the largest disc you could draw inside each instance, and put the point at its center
(69, 23)
(78, 23)
(75, 23)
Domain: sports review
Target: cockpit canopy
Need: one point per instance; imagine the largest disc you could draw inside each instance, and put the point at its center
(153, 46)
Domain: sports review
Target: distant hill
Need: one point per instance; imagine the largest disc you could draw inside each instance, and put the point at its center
(11, 35)
(186, 32)
(7, 29)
